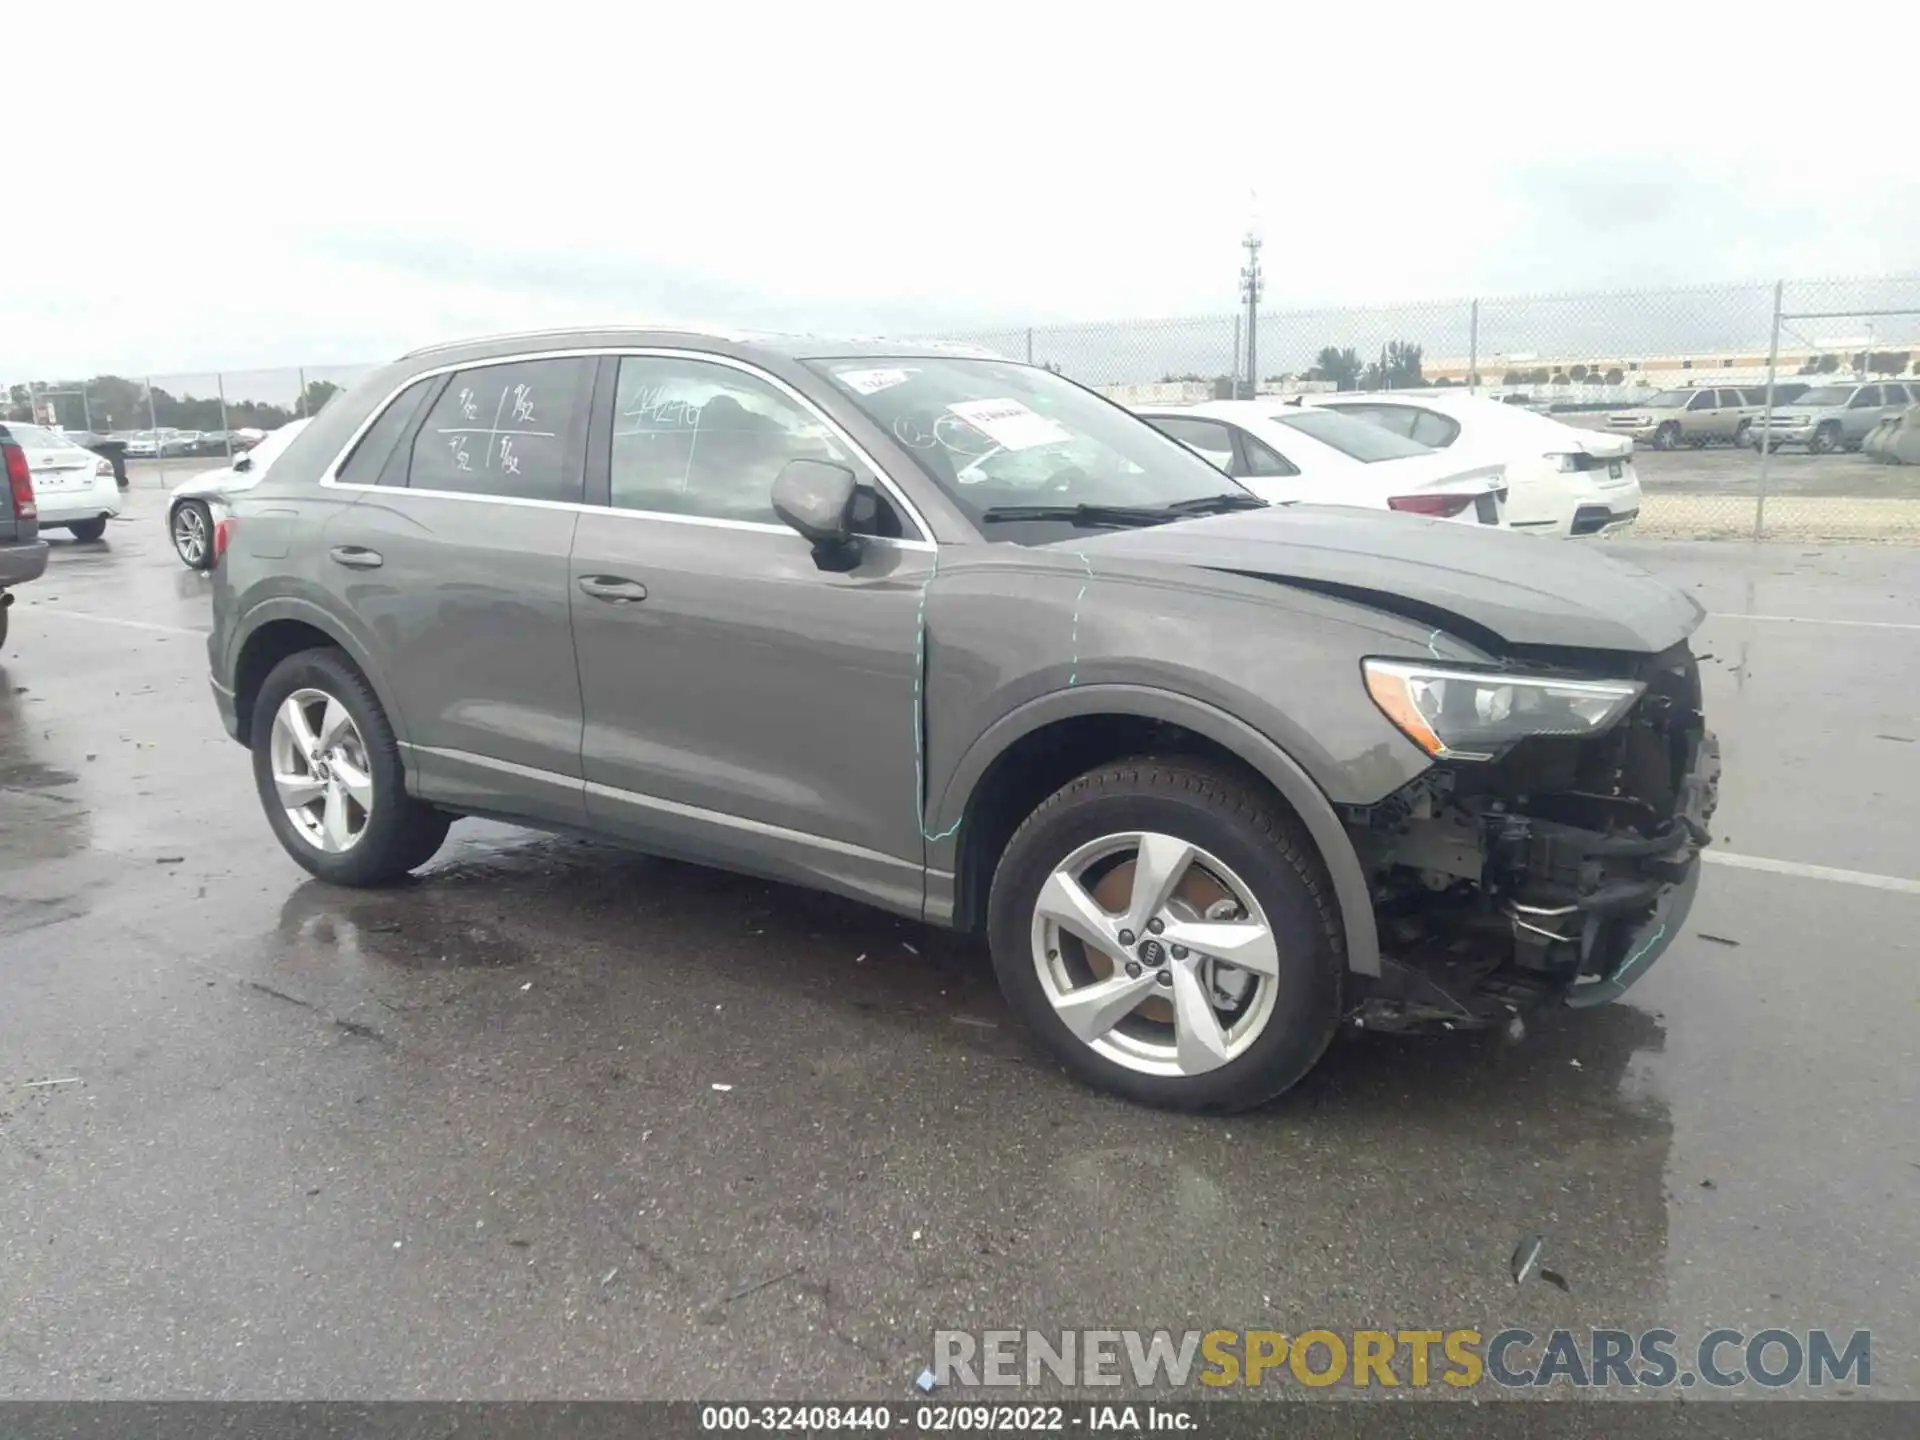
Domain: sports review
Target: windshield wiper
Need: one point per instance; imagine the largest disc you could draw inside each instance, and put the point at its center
(1218, 504)
(1119, 515)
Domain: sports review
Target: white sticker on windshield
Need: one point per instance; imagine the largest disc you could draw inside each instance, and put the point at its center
(869, 382)
(1009, 424)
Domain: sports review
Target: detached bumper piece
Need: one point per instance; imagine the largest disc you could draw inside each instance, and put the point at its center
(1560, 913)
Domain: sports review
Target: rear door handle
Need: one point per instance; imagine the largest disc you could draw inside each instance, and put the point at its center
(614, 589)
(356, 557)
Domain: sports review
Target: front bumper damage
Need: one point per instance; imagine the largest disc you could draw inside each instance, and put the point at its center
(1493, 900)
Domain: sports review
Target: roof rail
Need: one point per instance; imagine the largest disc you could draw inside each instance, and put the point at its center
(714, 331)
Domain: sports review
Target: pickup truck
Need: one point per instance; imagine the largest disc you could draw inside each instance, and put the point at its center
(23, 554)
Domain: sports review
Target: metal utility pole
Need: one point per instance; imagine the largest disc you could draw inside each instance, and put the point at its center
(1250, 291)
(1766, 415)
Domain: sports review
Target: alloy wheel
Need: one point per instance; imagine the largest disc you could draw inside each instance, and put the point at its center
(320, 770)
(1155, 954)
(190, 535)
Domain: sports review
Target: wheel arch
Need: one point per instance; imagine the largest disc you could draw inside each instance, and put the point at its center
(285, 626)
(983, 800)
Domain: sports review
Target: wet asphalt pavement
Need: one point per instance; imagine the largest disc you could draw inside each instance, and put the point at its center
(463, 1138)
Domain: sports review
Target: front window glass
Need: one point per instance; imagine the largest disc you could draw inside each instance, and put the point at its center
(995, 435)
(1670, 400)
(1826, 395)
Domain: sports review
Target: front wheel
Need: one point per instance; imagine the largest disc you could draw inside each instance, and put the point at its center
(329, 774)
(88, 530)
(1825, 440)
(1166, 928)
(1667, 436)
(192, 530)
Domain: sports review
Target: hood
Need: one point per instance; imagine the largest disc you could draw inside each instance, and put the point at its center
(1520, 589)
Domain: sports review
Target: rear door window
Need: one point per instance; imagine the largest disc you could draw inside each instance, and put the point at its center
(1432, 428)
(515, 430)
(1264, 460)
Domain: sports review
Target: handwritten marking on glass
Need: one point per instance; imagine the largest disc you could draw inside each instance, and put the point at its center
(516, 406)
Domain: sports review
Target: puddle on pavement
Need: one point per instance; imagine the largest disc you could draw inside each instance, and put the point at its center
(411, 927)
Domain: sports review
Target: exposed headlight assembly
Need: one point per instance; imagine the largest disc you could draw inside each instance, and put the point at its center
(1478, 715)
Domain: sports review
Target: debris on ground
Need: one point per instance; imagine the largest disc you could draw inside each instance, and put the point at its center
(1717, 939)
(169, 859)
(721, 1088)
(1708, 1185)
(607, 1279)
(925, 1381)
(1557, 1280)
(42, 1084)
(1525, 1256)
(758, 1286)
(1576, 1064)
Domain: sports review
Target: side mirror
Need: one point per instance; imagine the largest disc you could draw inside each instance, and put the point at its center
(815, 497)
(243, 462)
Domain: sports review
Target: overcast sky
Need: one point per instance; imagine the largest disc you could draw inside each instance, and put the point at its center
(337, 183)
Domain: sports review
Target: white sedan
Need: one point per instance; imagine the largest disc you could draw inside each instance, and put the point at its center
(74, 486)
(197, 504)
(1561, 480)
(1283, 452)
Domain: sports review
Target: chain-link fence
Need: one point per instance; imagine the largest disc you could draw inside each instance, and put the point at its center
(1683, 373)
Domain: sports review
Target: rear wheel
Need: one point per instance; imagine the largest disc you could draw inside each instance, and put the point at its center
(1167, 930)
(329, 774)
(192, 530)
(1826, 439)
(88, 529)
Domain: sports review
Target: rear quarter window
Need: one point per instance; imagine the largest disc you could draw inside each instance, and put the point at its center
(377, 458)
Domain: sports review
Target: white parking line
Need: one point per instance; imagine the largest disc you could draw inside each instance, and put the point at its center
(1812, 620)
(39, 610)
(1812, 872)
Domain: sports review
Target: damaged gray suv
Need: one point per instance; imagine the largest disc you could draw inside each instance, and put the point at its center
(959, 638)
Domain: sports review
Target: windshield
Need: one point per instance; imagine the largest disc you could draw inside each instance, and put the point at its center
(1826, 395)
(994, 434)
(1669, 400)
(1360, 440)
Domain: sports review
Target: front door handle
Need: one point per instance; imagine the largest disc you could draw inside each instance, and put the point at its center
(356, 557)
(614, 589)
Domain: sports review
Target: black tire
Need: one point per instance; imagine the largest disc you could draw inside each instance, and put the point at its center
(181, 545)
(3, 624)
(1826, 439)
(1232, 815)
(401, 832)
(88, 530)
(1666, 437)
(1743, 433)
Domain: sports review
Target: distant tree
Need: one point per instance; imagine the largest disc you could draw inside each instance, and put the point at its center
(1614, 375)
(1340, 366)
(1559, 377)
(1592, 377)
(1829, 363)
(314, 398)
(1514, 377)
(1889, 362)
(1539, 376)
(1403, 361)
(1577, 374)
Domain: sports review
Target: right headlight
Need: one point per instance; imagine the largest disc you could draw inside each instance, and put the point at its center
(1478, 714)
